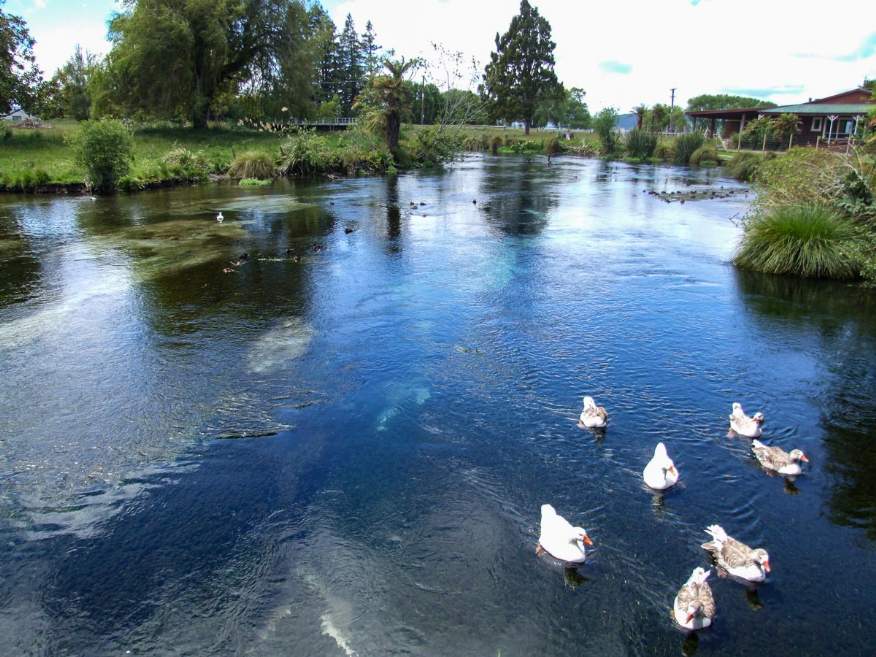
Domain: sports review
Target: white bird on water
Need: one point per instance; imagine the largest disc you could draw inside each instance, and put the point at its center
(660, 473)
(694, 606)
(559, 539)
(593, 416)
(744, 425)
(220, 218)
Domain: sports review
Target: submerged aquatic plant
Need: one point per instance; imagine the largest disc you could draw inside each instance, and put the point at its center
(809, 241)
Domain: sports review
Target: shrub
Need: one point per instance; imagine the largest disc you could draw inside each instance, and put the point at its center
(252, 164)
(105, 149)
(182, 164)
(433, 147)
(743, 166)
(641, 143)
(604, 127)
(305, 154)
(685, 145)
(479, 142)
(705, 155)
(805, 240)
(552, 146)
(665, 150)
(495, 143)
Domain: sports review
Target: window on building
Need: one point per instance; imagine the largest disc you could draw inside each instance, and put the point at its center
(817, 124)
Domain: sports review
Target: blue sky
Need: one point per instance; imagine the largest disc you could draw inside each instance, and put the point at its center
(773, 49)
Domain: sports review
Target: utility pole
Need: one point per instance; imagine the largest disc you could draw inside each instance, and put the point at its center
(671, 107)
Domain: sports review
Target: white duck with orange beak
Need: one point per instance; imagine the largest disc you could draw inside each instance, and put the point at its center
(750, 427)
(694, 606)
(560, 539)
(736, 557)
(660, 473)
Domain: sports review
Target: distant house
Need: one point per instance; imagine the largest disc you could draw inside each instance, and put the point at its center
(827, 119)
(17, 116)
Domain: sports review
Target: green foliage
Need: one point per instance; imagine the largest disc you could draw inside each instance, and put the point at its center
(744, 166)
(182, 164)
(432, 147)
(567, 109)
(806, 240)
(665, 150)
(723, 101)
(24, 180)
(19, 75)
(252, 164)
(641, 144)
(520, 74)
(71, 86)
(685, 146)
(105, 149)
(552, 146)
(306, 153)
(255, 182)
(774, 131)
(495, 143)
(385, 101)
(604, 127)
(705, 155)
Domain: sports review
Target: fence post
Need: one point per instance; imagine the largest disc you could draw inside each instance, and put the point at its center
(763, 148)
(817, 142)
(791, 141)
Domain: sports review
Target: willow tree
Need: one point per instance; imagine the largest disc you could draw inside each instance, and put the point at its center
(520, 74)
(175, 57)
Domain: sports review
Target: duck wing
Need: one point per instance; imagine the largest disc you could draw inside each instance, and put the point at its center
(736, 554)
(704, 595)
(773, 458)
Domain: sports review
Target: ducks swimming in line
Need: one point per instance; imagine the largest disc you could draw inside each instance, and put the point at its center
(778, 460)
(694, 606)
(593, 416)
(560, 539)
(660, 473)
(749, 427)
(736, 557)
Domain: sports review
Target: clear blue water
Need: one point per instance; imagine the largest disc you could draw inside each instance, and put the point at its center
(346, 455)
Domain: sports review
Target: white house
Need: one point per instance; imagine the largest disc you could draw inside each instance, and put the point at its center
(17, 116)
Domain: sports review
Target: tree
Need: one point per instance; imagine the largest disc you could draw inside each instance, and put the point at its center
(724, 101)
(174, 57)
(521, 70)
(72, 84)
(19, 76)
(604, 125)
(350, 64)
(370, 51)
(386, 100)
(324, 44)
(567, 109)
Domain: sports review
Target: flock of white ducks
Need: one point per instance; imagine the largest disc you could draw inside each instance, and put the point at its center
(694, 606)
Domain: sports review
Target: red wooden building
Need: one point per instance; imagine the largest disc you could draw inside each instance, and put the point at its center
(834, 118)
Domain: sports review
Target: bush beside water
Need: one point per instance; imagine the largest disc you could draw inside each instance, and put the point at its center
(252, 164)
(685, 146)
(105, 149)
(808, 240)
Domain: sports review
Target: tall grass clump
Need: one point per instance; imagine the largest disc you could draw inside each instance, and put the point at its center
(180, 163)
(810, 241)
(641, 144)
(105, 149)
(744, 166)
(686, 145)
(252, 164)
(706, 155)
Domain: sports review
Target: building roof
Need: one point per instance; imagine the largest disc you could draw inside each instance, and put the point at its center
(732, 112)
(822, 108)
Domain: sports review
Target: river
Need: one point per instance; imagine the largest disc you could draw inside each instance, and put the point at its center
(340, 446)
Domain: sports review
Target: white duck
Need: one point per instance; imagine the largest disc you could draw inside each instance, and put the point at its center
(694, 606)
(559, 539)
(778, 460)
(220, 218)
(660, 473)
(744, 425)
(736, 557)
(593, 416)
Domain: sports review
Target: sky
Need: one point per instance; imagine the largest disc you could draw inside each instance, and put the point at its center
(622, 53)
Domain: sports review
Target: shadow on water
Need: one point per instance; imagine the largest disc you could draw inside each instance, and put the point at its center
(845, 318)
(517, 198)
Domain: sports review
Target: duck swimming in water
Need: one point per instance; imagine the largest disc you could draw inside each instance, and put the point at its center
(593, 416)
(560, 539)
(694, 606)
(736, 557)
(660, 473)
(750, 427)
(778, 460)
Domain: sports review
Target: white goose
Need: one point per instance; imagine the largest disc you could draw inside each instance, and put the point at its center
(736, 557)
(593, 416)
(660, 473)
(220, 218)
(694, 606)
(559, 539)
(778, 460)
(744, 425)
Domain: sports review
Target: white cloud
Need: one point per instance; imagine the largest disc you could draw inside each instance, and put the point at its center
(705, 47)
